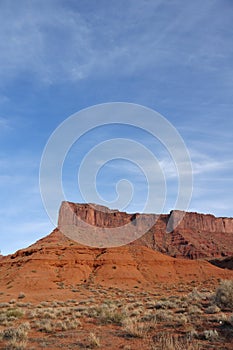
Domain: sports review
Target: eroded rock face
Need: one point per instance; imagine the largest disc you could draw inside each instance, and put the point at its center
(202, 222)
(92, 214)
(196, 236)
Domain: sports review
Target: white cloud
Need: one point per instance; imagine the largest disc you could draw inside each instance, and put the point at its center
(203, 162)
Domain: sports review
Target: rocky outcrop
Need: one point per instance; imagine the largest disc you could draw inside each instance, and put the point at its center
(201, 222)
(98, 216)
(92, 214)
(178, 234)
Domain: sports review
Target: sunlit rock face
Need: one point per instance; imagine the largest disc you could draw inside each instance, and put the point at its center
(178, 234)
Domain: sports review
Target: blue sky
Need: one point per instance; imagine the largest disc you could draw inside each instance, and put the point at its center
(58, 57)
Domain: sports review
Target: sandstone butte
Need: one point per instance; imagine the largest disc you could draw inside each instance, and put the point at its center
(163, 255)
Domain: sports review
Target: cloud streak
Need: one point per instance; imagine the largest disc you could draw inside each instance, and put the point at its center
(65, 44)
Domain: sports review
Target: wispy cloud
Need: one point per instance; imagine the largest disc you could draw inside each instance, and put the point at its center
(64, 43)
(173, 56)
(33, 42)
(4, 124)
(22, 235)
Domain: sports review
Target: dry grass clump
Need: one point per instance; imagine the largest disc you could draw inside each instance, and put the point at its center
(179, 321)
(4, 305)
(224, 294)
(25, 305)
(7, 316)
(136, 312)
(134, 328)
(163, 316)
(194, 310)
(212, 309)
(167, 341)
(93, 340)
(65, 325)
(47, 325)
(195, 295)
(164, 304)
(44, 325)
(108, 314)
(14, 313)
(210, 334)
(16, 338)
(49, 313)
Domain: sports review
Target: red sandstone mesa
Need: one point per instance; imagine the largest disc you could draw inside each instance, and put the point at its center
(40, 269)
(196, 236)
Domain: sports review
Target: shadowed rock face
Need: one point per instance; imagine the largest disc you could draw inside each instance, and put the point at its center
(196, 236)
(224, 263)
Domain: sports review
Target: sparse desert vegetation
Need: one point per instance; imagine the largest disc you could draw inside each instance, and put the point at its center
(111, 318)
(224, 294)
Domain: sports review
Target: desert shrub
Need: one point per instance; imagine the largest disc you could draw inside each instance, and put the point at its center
(195, 295)
(67, 324)
(21, 295)
(224, 294)
(44, 304)
(212, 309)
(107, 315)
(161, 305)
(194, 310)
(93, 340)
(168, 341)
(210, 334)
(136, 312)
(180, 320)
(19, 333)
(230, 320)
(15, 344)
(45, 325)
(4, 305)
(163, 316)
(16, 337)
(48, 313)
(26, 305)
(134, 329)
(148, 317)
(14, 313)
(112, 316)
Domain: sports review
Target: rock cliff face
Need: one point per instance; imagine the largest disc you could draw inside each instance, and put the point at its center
(98, 216)
(202, 222)
(196, 236)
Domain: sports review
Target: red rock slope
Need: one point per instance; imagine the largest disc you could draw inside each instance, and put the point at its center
(55, 261)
